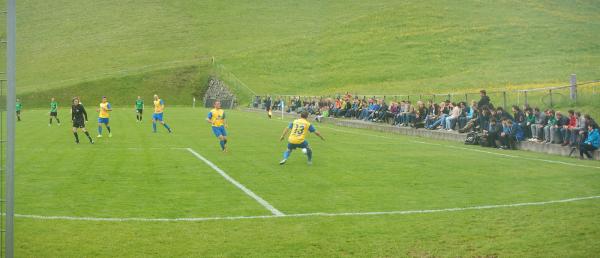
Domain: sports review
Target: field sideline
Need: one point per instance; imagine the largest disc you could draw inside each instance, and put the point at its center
(367, 193)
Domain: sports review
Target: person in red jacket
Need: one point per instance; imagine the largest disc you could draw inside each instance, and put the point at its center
(567, 130)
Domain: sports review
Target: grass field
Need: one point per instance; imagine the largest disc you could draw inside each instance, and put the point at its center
(137, 177)
(314, 47)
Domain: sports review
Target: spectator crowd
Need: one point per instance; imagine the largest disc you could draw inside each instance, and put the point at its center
(494, 126)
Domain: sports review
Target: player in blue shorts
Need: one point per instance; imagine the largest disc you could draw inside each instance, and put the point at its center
(104, 116)
(216, 117)
(297, 139)
(159, 107)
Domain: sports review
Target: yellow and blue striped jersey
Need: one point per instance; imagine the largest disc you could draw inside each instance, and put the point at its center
(104, 107)
(217, 117)
(159, 106)
(300, 127)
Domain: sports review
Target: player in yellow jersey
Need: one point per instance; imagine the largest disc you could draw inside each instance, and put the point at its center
(216, 118)
(159, 107)
(297, 139)
(103, 116)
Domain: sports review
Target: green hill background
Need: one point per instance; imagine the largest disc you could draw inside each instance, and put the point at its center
(305, 47)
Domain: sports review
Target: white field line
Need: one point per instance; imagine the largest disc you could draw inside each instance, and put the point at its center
(468, 149)
(260, 200)
(318, 214)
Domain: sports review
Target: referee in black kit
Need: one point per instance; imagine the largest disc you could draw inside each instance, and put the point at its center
(79, 117)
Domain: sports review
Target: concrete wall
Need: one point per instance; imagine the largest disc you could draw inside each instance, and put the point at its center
(555, 149)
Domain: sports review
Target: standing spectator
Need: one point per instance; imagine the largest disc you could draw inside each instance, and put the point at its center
(591, 143)
(484, 101)
(268, 103)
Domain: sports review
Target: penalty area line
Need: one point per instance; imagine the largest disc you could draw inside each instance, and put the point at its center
(318, 214)
(254, 196)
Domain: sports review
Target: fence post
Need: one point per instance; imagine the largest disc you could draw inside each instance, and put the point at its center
(420, 97)
(574, 87)
(526, 103)
(551, 98)
(449, 97)
(433, 98)
(466, 99)
(504, 97)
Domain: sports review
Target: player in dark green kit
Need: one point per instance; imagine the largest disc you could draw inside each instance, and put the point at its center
(18, 108)
(139, 108)
(53, 112)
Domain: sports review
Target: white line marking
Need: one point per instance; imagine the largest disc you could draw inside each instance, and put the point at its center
(237, 184)
(318, 214)
(508, 155)
(468, 149)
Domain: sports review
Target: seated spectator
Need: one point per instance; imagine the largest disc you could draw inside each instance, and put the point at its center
(537, 128)
(393, 112)
(466, 115)
(556, 136)
(567, 129)
(492, 133)
(418, 116)
(366, 111)
(510, 134)
(432, 114)
(409, 111)
(519, 117)
(473, 116)
(591, 143)
(576, 132)
(381, 112)
(501, 114)
(453, 117)
(441, 119)
(550, 123)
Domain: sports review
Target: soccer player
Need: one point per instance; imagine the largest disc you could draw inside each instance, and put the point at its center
(18, 107)
(216, 117)
(139, 108)
(159, 107)
(53, 111)
(79, 118)
(299, 129)
(103, 116)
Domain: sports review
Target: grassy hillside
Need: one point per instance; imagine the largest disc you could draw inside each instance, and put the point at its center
(176, 85)
(314, 47)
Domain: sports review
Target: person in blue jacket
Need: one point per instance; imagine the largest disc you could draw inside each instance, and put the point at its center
(591, 143)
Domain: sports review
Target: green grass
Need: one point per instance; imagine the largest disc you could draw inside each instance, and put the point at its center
(180, 84)
(314, 47)
(353, 171)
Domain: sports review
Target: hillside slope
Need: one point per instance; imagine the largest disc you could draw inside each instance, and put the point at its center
(313, 47)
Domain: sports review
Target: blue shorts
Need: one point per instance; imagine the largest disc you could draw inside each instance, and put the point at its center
(157, 116)
(302, 145)
(102, 120)
(219, 130)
